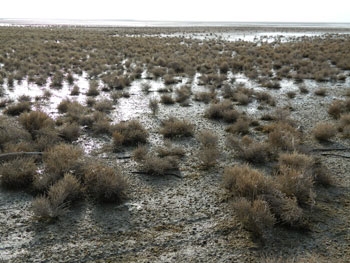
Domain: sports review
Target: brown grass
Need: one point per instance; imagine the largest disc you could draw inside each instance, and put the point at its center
(255, 216)
(130, 133)
(158, 166)
(250, 150)
(324, 131)
(245, 181)
(36, 120)
(298, 184)
(18, 173)
(104, 183)
(283, 136)
(18, 108)
(175, 128)
(61, 159)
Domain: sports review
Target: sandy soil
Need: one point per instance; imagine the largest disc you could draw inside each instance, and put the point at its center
(171, 219)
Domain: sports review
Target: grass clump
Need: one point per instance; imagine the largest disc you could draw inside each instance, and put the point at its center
(18, 173)
(250, 150)
(61, 158)
(255, 216)
(246, 182)
(223, 110)
(175, 128)
(129, 133)
(35, 121)
(324, 131)
(208, 153)
(104, 183)
(18, 108)
(60, 194)
(153, 104)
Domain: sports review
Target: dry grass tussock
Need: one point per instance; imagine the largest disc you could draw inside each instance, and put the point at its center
(246, 182)
(35, 120)
(18, 173)
(61, 158)
(59, 195)
(324, 131)
(250, 150)
(209, 151)
(104, 183)
(129, 133)
(174, 128)
(164, 160)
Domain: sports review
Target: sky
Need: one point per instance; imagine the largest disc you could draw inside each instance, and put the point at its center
(182, 10)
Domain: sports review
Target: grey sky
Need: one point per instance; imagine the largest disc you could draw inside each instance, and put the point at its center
(182, 10)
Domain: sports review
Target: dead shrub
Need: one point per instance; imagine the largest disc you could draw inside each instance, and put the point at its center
(324, 131)
(208, 139)
(321, 92)
(297, 161)
(46, 138)
(35, 120)
(173, 127)
(18, 108)
(42, 208)
(140, 153)
(158, 166)
(43, 181)
(241, 98)
(145, 87)
(183, 93)
(321, 174)
(244, 181)
(265, 97)
(129, 133)
(62, 107)
(12, 132)
(283, 136)
(250, 150)
(61, 159)
(303, 89)
(344, 121)
(208, 157)
(168, 149)
(100, 124)
(285, 209)
(93, 90)
(67, 189)
(294, 183)
(18, 173)
(153, 104)
(336, 109)
(205, 97)
(241, 126)
(104, 105)
(70, 132)
(104, 183)
(167, 99)
(75, 91)
(216, 110)
(255, 216)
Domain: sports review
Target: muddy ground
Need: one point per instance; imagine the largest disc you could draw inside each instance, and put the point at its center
(188, 219)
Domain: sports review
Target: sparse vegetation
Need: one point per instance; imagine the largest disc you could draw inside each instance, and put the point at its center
(269, 174)
(130, 133)
(173, 128)
(324, 131)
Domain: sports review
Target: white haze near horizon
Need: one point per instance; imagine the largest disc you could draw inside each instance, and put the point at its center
(336, 11)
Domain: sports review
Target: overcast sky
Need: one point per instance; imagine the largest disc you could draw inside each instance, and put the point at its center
(182, 10)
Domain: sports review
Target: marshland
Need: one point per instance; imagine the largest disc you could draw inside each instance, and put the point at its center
(173, 144)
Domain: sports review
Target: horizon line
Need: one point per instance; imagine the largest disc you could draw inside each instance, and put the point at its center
(178, 21)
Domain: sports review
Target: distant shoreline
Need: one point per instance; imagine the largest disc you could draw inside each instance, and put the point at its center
(149, 23)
